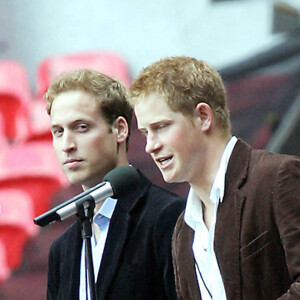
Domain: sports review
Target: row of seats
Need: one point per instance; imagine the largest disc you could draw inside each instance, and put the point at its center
(29, 171)
(22, 112)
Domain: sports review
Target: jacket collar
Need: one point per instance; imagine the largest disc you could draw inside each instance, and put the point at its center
(238, 165)
(229, 220)
(117, 236)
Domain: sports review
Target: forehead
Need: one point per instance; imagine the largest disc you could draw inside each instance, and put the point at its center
(72, 105)
(153, 108)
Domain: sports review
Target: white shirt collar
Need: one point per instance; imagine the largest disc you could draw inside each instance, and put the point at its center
(193, 210)
(107, 208)
(218, 187)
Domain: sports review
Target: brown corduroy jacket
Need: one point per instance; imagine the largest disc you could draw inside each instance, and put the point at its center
(257, 234)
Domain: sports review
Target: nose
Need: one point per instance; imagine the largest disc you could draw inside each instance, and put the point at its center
(152, 143)
(68, 142)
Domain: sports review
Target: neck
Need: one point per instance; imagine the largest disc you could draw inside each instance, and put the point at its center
(208, 212)
(211, 161)
(122, 162)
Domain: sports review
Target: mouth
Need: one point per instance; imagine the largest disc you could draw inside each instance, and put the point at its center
(72, 163)
(164, 162)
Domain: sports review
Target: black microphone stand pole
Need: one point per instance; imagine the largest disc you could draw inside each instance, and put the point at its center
(85, 216)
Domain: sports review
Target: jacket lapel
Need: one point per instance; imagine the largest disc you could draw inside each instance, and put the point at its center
(117, 236)
(70, 266)
(228, 226)
(184, 263)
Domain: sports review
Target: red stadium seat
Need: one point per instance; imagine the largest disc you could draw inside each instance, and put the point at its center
(40, 123)
(15, 95)
(14, 80)
(33, 168)
(3, 140)
(4, 269)
(16, 223)
(107, 63)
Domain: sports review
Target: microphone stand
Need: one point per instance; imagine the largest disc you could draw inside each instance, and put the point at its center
(85, 216)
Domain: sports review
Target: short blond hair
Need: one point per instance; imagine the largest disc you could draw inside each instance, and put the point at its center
(184, 82)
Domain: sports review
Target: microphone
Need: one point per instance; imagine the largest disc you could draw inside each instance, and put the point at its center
(116, 183)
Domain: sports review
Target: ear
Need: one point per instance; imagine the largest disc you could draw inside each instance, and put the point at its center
(204, 116)
(120, 128)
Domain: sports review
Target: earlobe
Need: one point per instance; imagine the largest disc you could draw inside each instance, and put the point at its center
(204, 116)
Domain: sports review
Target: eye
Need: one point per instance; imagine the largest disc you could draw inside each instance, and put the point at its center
(57, 132)
(82, 127)
(161, 127)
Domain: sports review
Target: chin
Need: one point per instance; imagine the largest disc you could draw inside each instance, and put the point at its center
(173, 178)
(168, 178)
(75, 179)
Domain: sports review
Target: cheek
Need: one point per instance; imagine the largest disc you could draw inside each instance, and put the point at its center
(92, 141)
(185, 145)
(57, 149)
(101, 146)
(179, 139)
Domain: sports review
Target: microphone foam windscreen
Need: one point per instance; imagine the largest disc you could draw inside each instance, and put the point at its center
(123, 180)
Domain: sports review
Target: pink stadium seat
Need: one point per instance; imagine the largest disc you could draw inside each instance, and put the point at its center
(40, 123)
(16, 223)
(14, 80)
(15, 95)
(3, 140)
(108, 63)
(4, 269)
(33, 168)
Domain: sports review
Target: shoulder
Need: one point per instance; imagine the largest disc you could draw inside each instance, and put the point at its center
(157, 207)
(259, 162)
(163, 200)
(158, 197)
(67, 237)
(273, 164)
(163, 194)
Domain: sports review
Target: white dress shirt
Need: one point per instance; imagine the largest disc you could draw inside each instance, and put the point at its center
(207, 269)
(105, 212)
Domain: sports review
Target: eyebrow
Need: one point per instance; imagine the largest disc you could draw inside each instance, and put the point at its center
(142, 130)
(75, 122)
(54, 126)
(151, 125)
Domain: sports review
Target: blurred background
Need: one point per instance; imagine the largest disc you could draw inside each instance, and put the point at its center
(254, 44)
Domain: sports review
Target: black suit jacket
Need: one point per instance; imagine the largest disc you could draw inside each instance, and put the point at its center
(136, 262)
(257, 234)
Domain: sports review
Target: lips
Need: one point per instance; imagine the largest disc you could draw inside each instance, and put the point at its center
(164, 161)
(72, 162)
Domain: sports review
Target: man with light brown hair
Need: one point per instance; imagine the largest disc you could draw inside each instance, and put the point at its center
(239, 237)
(131, 236)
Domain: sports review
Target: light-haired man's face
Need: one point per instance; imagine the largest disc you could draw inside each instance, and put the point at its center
(172, 140)
(84, 143)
